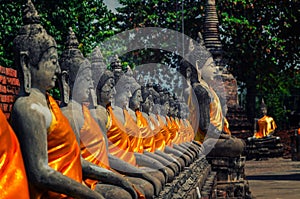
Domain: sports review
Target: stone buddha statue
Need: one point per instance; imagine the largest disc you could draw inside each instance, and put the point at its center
(265, 126)
(198, 67)
(49, 146)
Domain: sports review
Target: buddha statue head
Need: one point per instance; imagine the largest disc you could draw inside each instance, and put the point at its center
(124, 90)
(136, 98)
(105, 90)
(263, 108)
(34, 49)
(116, 67)
(197, 63)
(98, 65)
(164, 101)
(147, 104)
(78, 69)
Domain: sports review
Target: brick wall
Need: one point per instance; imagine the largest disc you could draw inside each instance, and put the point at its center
(9, 88)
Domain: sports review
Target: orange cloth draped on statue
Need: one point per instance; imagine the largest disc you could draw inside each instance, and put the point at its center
(147, 134)
(164, 130)
(119, 143)
(173, 128)
(159, 138)
(266, 126)
(179, 131)
(190, 131)
(63, 150)
(200, 135)
(193, 108)
(92, 144)
(216, 115)
(13, 180)
(226, 127)
(134, 133)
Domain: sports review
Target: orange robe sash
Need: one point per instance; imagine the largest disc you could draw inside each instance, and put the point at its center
(13, 180)
(134, 133)
(172, 127)
(119, 143)
(190, 131)
(92, 144)
(266, 125)
(164, 130)
(216, 115)
(63, 150)
(159, 138)
(147, 134)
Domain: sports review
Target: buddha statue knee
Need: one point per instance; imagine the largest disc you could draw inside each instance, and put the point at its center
(92, 141)
(35, 111)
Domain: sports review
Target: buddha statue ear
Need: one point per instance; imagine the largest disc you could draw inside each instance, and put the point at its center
(25, 71)
(64, 87)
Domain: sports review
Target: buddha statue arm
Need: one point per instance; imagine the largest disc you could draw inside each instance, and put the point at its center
(92, 171)
(203, 102)
(30, 127)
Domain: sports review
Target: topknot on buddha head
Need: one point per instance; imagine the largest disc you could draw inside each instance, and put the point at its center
(30, 44)
(72, 60)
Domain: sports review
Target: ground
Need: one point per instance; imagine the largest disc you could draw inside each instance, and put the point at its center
(275, 178)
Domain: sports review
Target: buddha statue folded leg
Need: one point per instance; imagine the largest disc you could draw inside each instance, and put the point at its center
(169, 166)
(112, 192)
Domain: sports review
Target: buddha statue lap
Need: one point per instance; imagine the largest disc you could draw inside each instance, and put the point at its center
(53, 171)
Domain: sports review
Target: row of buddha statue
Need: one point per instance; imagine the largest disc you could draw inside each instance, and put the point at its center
(127, 142)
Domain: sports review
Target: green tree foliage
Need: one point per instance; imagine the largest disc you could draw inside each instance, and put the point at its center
(261, 41)
(90, 20)
(179, 15)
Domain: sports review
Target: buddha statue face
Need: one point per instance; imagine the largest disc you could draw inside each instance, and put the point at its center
(136, 99)
(209, 70)
(43, 77)
(107, 92)
(148, 104)
(83, 84)
(116, 67)
(123, 95)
